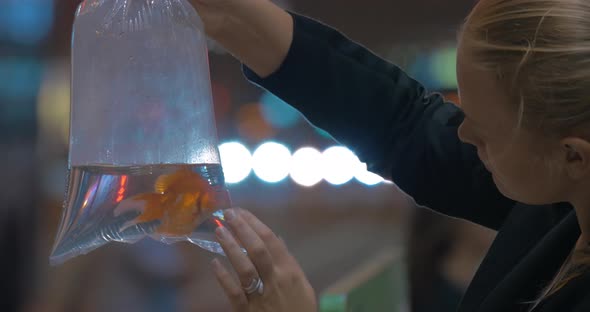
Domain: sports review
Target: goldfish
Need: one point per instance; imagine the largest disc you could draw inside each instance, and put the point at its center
(180, 202)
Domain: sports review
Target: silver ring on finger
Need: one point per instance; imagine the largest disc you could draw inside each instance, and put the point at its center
(256, 286)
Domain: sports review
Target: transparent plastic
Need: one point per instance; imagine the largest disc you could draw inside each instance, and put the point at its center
(143, 157)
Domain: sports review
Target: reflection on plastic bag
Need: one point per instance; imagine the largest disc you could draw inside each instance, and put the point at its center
(143, 155)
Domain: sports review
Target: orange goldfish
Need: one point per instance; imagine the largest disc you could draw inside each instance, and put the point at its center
(181, 201)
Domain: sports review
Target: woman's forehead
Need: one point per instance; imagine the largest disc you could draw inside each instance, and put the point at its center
(483, 97)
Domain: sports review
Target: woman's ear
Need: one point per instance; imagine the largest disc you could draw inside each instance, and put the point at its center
(576, 156)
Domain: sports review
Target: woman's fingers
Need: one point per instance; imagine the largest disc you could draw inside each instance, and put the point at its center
(244, 267)
(285, 288)
(231, 287)
(276, 247)
(254, 245)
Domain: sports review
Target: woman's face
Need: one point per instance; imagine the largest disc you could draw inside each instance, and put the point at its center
(519, 160)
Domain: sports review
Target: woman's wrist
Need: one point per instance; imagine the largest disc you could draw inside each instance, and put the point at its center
(259, 34)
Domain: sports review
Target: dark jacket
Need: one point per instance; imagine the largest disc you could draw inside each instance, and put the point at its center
(409, 135)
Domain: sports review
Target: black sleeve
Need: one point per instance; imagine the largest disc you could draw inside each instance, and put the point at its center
(584, 304)
(388, 119)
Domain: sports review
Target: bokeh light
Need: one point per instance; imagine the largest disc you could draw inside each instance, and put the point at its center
(26, 21)
(251, 125)
(272, 162)
(367, 177)
(278, 113)
(236, 161)
(21, 78)
(53, 105)
(339, 165)
(421, 70)
(453, 97)
(306, 167)
(444, 62)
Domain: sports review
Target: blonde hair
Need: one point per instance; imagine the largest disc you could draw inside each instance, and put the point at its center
(540, 50)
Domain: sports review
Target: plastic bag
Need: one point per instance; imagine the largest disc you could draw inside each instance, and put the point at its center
(143, 157)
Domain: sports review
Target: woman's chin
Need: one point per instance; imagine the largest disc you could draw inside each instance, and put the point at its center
(518, 197)
(503, 190)
(501, 187)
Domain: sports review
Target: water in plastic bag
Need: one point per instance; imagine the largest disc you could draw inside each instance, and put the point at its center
(143, 157)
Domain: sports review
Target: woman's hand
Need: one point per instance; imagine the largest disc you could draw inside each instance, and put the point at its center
(217, 15)
(257, 32)
(284, 285)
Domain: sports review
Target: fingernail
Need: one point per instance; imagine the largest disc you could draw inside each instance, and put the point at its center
(230, 214)
(221, 232)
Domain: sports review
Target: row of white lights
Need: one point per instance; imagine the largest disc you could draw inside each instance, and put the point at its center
(273, 162)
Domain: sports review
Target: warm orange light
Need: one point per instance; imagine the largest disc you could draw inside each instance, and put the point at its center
(251, 123)
(453, 97)
(122, 188)
(218, 223)
(89, 195)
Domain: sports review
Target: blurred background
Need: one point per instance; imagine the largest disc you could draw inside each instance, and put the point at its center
(333, 219)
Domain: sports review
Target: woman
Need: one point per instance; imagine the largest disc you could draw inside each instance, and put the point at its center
(514, 158)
